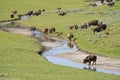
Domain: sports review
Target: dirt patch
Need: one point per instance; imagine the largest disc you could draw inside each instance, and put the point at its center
(24, 31)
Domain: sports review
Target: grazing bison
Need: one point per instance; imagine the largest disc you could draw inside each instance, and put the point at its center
(110, 3)
(37, 13)
(14, 11)
(84, 26)
(100, 28)
(45, 30)
(29, 13)
(70, 36)
(102, 1)
(12, 15)
(94, 23)
(103, 26)
(51, 30)
(75, 27)
(89, 59)
(61, 13)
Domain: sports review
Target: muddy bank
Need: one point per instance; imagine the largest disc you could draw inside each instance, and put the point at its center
(107, 63)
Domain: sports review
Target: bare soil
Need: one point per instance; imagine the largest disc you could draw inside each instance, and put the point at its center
(108, 63)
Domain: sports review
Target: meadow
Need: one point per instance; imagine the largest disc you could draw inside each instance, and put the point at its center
(18, 54)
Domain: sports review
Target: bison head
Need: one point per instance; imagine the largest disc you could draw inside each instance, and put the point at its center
(85, 61)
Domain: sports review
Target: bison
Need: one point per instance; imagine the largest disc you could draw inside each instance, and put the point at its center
(110, 3)
(29, 13)
(90, 58)
(45, 30)
(61, 13)
(75, 27)
(84, 26)
(33, 28)
(12, 15)
(95, 23)
(70, 36)
(14, 11)
(37, 13)
(51, 30)
(100, 28)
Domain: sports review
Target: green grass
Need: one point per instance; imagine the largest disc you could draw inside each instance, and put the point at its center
(18, 54)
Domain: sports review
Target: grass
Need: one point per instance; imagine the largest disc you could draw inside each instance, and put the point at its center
(18, 54)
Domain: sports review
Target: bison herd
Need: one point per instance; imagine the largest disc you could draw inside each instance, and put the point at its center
(29, 13)
(97, 25)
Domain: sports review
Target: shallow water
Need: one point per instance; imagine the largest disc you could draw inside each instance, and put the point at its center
(37, 33)
(49, 55)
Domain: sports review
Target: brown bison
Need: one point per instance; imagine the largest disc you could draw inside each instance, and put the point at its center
(12, 15)
(110, 3)
(14, 11)
(51, 30)
(89, 59)
(95, 23)
(100, 28)
(70, 36)
(61, 13)
(29, 13)
(45, 30)
(84, 26)
(75, 27)
(37, 13)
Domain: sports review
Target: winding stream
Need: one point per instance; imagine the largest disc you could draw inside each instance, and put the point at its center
(50, 56)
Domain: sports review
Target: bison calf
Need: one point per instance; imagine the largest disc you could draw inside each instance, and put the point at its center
(90, 58)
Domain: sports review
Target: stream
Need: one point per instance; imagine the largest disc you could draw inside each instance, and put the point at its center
(50, 56)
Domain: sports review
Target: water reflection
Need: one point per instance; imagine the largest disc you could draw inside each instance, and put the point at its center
(65, 62)
(59, 50)
(90, 68)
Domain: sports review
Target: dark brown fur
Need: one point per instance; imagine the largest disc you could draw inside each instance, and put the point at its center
(89, 59)
(70, 36)
(61, 13)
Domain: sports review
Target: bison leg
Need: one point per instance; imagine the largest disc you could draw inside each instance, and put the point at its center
(94, 62)
(89, 63)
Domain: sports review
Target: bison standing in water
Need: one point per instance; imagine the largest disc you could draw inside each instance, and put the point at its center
(89, 59)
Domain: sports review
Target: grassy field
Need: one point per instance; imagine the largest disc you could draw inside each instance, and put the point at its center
(18, 54)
